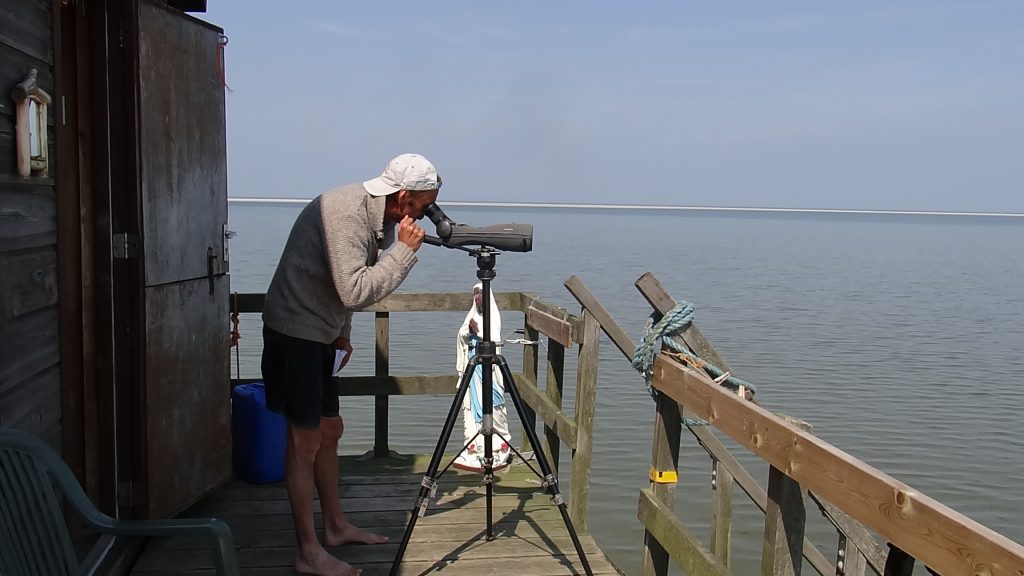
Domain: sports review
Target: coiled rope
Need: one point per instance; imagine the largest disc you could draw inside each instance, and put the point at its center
(656, 329)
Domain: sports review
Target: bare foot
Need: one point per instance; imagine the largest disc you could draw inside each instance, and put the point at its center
(351, 534)
(320, 563)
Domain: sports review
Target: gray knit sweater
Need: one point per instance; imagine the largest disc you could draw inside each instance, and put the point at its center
(332, 264)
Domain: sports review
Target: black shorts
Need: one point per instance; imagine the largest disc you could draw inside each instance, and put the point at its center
(297, 378)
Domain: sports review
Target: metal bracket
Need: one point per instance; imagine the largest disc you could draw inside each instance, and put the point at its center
(431, 485)
(841, 555)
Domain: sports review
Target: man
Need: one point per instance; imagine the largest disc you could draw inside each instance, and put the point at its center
(333, 263)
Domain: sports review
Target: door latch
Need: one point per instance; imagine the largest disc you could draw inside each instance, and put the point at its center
(211, 258)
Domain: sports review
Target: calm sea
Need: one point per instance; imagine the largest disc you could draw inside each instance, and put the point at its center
(899, 338)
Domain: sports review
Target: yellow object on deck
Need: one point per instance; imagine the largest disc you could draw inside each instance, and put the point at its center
(664, 476)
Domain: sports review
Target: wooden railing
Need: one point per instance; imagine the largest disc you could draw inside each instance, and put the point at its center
(859, 500)
(540, 319)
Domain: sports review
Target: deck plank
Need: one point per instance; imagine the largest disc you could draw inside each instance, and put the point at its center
(379, 494)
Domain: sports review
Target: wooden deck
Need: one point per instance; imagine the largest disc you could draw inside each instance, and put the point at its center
(378, 494)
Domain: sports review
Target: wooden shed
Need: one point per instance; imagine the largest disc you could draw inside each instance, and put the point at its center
(113, 259)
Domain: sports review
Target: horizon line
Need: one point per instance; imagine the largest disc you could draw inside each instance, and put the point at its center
(257, 200)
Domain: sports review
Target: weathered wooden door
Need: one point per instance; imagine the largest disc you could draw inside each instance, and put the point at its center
(183, 177)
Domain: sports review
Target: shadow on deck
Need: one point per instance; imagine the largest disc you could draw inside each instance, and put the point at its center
(378, 494)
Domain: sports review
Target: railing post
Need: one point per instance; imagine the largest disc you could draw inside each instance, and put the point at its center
(721, 518)
(586, 398)
(664, 471)
(530, 364)
(381, 369)
(553, 389)
(784, 522)
(721, 512)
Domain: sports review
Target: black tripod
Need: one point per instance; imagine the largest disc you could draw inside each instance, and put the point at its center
(486, 357)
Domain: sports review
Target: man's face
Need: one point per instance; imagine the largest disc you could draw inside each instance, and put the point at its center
(412, 204)
(478, 298)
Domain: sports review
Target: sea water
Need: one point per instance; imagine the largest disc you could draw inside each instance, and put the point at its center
(899, 338)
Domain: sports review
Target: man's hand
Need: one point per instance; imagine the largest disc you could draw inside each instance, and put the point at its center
(343, 343)
(410, 233)
(473, 328)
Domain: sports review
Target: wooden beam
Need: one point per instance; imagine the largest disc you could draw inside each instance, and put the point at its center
(556, 328)
(247, 303)
(942, 538)
(440, 302)
(444, 302)
(397, 385)
(673, 535)
(615, 332)
(556, 311)
(586, 401)
(550, 414)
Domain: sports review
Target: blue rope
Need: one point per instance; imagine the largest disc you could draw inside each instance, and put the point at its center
(656, 329)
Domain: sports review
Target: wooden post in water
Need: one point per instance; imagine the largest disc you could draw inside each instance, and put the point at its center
(664, 472)
(381, 368)
(586, 397)
(784, 522)
(553, 389)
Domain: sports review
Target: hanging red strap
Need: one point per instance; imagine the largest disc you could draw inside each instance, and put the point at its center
(222, 43)
(235, 334)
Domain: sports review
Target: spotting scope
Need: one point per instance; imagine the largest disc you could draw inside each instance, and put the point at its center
(505, 237)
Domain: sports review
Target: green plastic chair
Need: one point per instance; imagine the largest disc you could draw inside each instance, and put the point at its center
(34, 539)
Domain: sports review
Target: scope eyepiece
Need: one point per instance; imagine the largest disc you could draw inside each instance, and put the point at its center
(441, 220)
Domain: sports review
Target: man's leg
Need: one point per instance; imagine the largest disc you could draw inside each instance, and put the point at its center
(337, 529)
(292, 377)
(300, 455)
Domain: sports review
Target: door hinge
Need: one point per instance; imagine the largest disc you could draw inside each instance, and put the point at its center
(125, 246)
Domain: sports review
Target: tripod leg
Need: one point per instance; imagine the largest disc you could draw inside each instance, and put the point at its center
(549, 481)
(488, 435)
(429, 484)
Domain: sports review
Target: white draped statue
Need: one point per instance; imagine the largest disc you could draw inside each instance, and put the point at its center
(470, 334)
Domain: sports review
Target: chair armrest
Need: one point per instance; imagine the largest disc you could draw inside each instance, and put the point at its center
(227, 563)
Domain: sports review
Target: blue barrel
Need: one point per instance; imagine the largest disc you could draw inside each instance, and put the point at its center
(258, 436)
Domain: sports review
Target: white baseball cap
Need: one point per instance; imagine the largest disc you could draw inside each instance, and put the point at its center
(404, 172)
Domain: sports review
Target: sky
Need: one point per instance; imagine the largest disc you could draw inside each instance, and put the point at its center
(912, 105)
